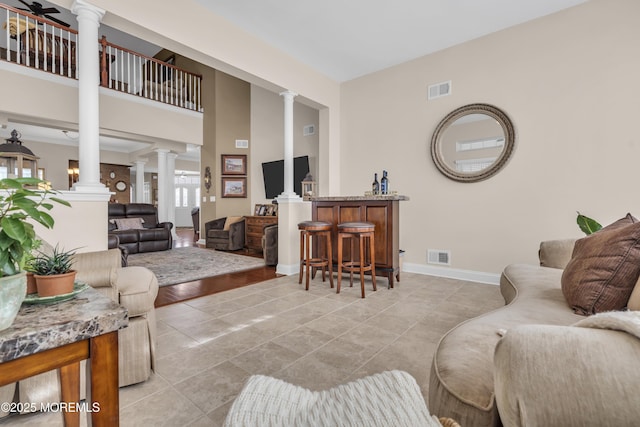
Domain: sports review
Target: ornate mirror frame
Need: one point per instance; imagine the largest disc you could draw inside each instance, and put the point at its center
(509, 142)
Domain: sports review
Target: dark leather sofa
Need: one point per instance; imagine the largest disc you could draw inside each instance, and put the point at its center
(152, 236)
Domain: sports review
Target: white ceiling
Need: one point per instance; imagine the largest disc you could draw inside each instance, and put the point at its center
(345, 39)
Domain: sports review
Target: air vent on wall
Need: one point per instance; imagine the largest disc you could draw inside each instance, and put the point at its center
(242, 143)
(439, 90)
(437, 256)
(309, 130)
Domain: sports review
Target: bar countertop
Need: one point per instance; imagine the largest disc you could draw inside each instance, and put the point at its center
(358, 198)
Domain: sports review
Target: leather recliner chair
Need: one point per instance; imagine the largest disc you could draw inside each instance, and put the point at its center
(151, 236)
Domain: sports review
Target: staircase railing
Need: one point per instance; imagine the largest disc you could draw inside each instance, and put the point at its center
(137, 74)
(38, 43)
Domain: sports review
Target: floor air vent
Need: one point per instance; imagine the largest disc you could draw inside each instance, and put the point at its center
(436, 256)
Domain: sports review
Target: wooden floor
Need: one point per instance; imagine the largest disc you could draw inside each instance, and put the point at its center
(210, 285)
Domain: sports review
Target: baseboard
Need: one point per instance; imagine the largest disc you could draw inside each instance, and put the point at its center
(288, 269)
(452, 273)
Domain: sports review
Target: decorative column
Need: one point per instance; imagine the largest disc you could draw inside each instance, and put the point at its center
(89, 18)
(140, 181)
(162, 184)
(288, 192)
(171, 190)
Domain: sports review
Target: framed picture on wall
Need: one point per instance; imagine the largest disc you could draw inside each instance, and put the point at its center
(234, 164)
(234, 187)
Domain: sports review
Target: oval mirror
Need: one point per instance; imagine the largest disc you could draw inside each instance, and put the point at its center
(473, 142)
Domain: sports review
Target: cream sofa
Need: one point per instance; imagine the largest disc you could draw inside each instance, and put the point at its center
(133, 287)
(533, 360)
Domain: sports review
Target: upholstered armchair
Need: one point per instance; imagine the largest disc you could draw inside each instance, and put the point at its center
(225, 233)
(270, 244)
(134, 288)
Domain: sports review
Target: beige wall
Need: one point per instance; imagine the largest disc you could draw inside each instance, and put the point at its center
(267, 136)
(568, 81)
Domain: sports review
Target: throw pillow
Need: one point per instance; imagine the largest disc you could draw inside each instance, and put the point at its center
(604, 268)
(231, 220)
(129, 223)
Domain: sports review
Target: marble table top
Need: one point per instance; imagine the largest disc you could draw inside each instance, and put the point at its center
(41, 327)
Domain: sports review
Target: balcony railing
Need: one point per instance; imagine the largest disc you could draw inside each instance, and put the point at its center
(38, 43)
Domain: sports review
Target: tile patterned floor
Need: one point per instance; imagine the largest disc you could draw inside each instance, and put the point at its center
(209, 346)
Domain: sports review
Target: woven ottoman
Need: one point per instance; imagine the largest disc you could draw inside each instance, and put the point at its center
(389, 398)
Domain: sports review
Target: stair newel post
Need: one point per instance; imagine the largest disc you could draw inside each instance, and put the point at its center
(104, 75)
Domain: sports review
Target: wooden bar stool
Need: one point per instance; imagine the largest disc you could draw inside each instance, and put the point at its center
(310, 231)
(359, 231)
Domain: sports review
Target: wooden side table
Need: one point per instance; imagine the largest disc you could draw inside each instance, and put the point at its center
(254, 228)
(59, 337)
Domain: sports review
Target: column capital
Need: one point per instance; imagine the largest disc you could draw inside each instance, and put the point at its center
(288, 94)
(162, 150)
(140, 162)
(86, 10)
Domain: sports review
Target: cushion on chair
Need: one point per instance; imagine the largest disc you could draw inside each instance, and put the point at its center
(390, 398)
(231, 220)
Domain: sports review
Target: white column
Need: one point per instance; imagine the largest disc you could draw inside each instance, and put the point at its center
(171, 190)
(88, 61)
(162, 184)
(288, 192)
(140, 181)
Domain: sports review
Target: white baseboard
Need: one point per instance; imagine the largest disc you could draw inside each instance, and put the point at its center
(452, 273)
(288, 269)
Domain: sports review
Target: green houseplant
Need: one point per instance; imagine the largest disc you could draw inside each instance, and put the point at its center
(587, 225)
(21, 201)
(53, 272)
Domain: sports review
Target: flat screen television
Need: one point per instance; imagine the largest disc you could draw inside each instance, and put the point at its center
(273, 173)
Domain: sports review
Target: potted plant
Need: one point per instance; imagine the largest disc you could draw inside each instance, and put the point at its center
(20, 201)
(53, 272)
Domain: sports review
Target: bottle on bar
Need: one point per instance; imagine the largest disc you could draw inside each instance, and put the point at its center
(375, 187)
(384, 183)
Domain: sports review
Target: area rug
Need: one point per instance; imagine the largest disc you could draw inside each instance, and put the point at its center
(186, 264)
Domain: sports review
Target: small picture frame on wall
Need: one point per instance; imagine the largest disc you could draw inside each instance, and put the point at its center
(234, 164)
(234, 187)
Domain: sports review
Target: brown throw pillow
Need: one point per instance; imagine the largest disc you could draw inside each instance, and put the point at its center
(604, 268)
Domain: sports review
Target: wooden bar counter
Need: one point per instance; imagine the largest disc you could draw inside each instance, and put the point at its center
(59, 336)
(382, 211)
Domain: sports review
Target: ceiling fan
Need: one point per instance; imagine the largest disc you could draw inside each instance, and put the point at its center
(36, 9)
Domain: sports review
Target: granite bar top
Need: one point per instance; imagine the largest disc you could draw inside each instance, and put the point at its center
(358, 198)
(43, 327)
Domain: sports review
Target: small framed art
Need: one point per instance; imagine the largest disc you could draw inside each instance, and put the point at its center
(234, 164)
(234, 187)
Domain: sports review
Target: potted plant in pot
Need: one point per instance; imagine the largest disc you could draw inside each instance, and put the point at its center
(53, 272)
(20, 201)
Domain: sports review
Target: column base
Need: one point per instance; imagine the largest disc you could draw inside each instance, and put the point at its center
(90, 188)
(289, 198)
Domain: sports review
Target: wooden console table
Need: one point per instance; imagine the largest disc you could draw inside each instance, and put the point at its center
(46, 337)
(382, 211)
(254, 226)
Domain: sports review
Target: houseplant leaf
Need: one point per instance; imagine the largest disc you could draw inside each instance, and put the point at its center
(587, 225)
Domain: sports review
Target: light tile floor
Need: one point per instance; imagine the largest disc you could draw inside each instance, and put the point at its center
(209, 346)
